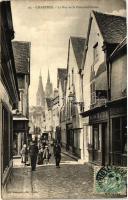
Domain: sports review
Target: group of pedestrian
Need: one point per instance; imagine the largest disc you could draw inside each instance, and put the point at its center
(44, 155)
(41, 154)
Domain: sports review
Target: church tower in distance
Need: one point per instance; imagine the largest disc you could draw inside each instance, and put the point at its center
(40, 95)
(49, 88)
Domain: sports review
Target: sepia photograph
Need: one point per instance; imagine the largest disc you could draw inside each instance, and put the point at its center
(63, 99)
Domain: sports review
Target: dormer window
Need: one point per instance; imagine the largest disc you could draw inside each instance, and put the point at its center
(95, 52)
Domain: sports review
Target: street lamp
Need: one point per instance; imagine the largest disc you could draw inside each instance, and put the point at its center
(72, 99)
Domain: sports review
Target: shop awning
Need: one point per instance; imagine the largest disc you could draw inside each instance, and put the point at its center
(20, 117)
(108, 105)
(93, 110)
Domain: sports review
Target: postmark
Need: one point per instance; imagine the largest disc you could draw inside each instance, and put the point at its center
(110, 180)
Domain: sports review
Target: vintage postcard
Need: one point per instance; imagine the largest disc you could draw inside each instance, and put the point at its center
(63, 99)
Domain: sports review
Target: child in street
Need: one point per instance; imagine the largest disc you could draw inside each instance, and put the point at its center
(46, 155)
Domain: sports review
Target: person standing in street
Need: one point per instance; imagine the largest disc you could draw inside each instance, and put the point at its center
(40, 155)
(57, 154)
(46, 155)
(24, 154)
(33, 152)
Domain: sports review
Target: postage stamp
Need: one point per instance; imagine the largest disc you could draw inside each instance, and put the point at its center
(110, 180)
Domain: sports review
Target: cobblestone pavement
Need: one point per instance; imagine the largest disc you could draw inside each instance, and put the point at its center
(70, 181)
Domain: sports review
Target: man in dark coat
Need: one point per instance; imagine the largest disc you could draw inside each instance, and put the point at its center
(33, 151)
(57, 154)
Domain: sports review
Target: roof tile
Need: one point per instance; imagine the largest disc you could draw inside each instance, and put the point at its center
(21, 52)
(62, 76)
(112, 27)
(78, 47)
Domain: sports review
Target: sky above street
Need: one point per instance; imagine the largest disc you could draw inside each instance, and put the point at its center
(48, 24)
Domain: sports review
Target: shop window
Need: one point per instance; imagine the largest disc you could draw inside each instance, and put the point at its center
(88, 136)
(96, 136)
(124, 135)
(119, 131)
(15, 145)
(116, 135)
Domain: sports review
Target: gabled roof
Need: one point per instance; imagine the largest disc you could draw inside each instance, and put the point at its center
(119, 48)
(21, 52)
(78, 48)
(112, 27)
(49, 103)
(62, 76)
(62, 73)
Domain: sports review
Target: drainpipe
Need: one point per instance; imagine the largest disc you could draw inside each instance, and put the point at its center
(106, 51)
(82, 118)
(82, 98)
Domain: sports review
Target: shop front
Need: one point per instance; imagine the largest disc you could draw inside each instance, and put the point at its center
(20, 133)
(118, 120)
(98, 135)
(108, 135)
(100, 138)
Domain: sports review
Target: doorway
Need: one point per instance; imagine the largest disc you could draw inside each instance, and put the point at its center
(104, 144)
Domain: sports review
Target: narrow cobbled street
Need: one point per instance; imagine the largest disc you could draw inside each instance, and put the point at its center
(71, 181)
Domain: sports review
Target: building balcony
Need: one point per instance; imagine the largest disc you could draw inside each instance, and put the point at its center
(98, 102)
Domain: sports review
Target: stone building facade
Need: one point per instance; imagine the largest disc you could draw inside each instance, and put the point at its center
(103, 36)
(9, 94)
(21, 51)
(61, 85)
(74, 99)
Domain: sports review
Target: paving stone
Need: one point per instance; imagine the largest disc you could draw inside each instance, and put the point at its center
(71, 181)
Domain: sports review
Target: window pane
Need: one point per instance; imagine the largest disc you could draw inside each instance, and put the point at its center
(96, 137)
(124, 135)
(116, 134)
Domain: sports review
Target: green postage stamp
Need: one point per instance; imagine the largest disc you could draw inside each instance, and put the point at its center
(110, 180)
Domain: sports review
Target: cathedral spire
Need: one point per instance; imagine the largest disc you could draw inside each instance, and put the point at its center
(49, 88)
(40, 74)
(48, 79)
(40, 95)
